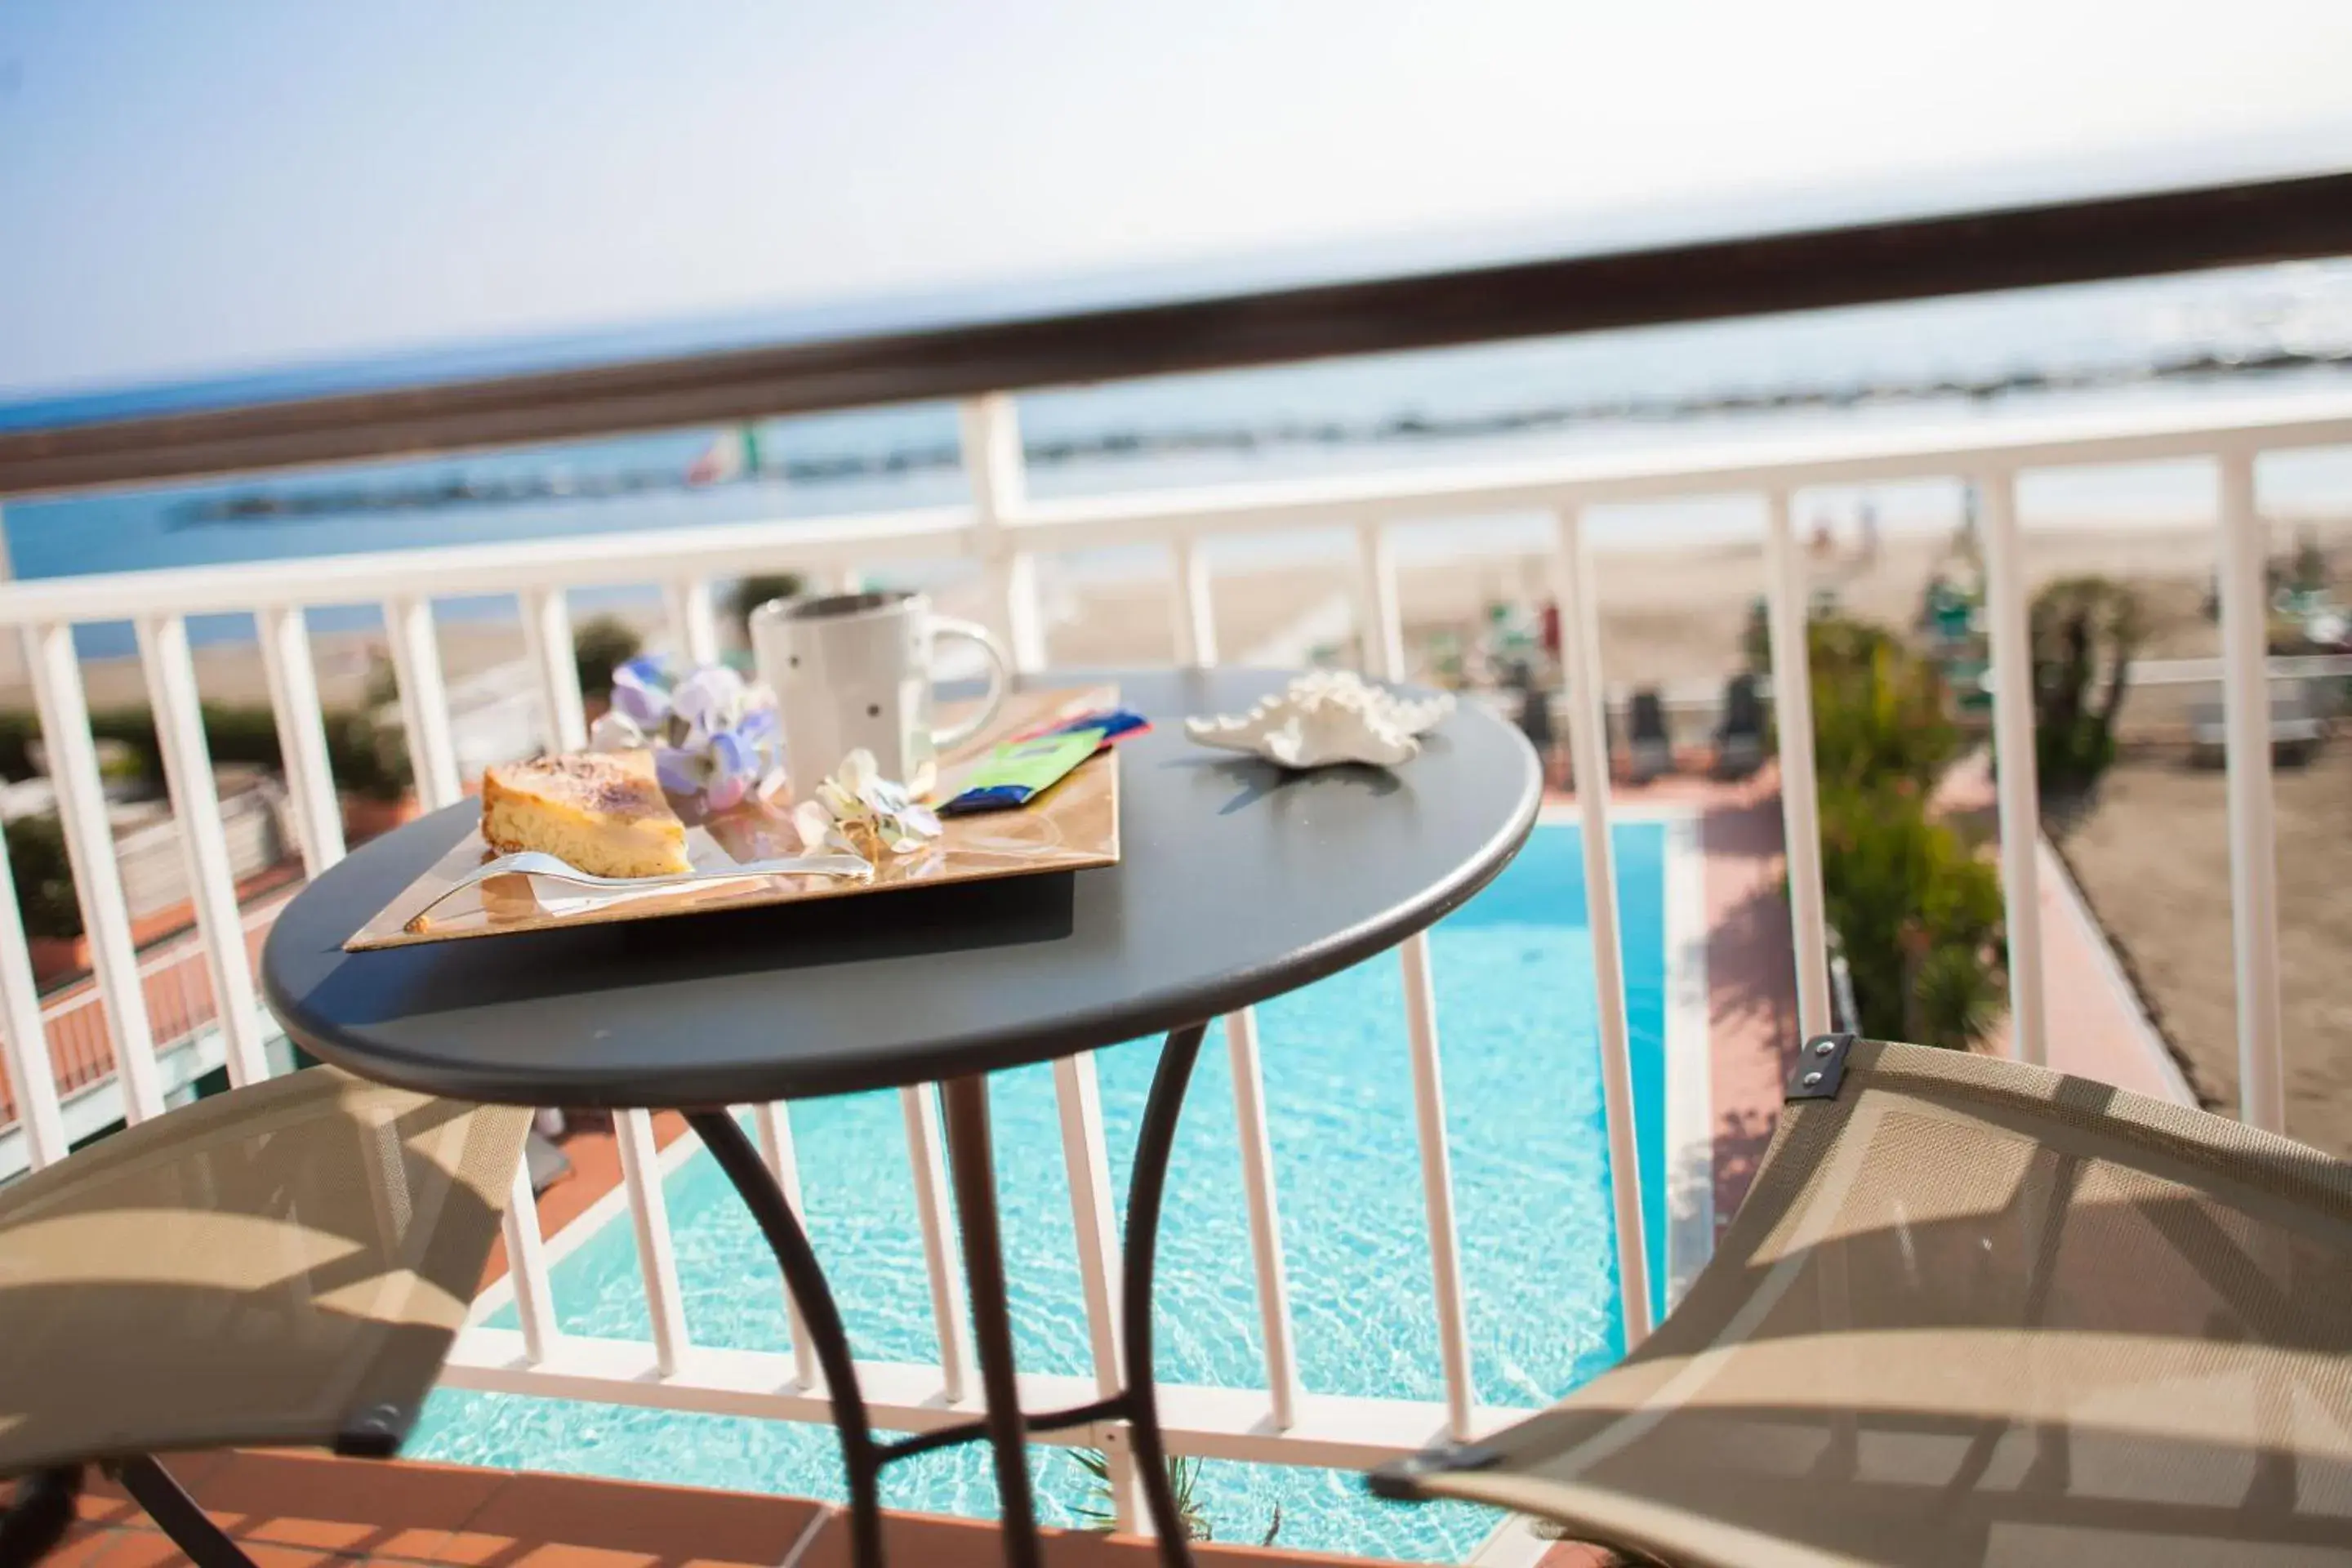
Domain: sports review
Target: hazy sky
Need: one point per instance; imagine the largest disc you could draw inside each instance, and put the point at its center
(193, 188)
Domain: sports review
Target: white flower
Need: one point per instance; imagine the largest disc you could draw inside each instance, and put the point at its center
(858, 804)
(615, 731)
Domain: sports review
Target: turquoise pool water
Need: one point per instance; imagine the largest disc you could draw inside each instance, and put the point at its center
(1519, 1046)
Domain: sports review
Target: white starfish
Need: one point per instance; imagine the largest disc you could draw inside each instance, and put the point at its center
(1324, 717)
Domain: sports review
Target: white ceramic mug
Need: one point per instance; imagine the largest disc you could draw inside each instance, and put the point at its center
(853, 670)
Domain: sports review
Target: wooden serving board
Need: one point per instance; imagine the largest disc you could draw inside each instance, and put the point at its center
(1072, 827)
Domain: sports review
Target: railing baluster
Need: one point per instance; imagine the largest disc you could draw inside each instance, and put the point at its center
(1196, 647)
(24, 1038)
(302, 736)
(547, 642)
(424, 703)
(211, 876)
(90, 847)
(633, 1134)
(1196, 610)
(1382, 619)
(2017, 788)
(1438, 1187)
(693, 619)
(1282, 1382)
(772, 1124)
(2254, 848)
(919, 1106)
(1077, 1094)
(1381, 610)
(1788, 608)
(993, 460)
(526, 1266)
(1588, 753)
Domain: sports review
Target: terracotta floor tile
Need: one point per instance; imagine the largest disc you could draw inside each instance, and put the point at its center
(82, 1547)
(453, 1548)
(266, 1555)
(188, 1469)
(108, 1506)
(468, 1549)
(937, 1541)
(140, 1548)
(341, 1536)
(387, 1493)
(671, 1523)
(570, 1556)
(1577, 1554)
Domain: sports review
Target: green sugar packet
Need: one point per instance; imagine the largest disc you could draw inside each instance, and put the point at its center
(1018, 772)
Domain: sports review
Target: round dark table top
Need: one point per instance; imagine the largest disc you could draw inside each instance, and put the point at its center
(1237, 882)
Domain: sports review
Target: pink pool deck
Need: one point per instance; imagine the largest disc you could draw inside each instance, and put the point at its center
(1752, 1006)
(2097, 1027)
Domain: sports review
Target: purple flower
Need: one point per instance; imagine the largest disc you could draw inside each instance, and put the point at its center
(712, 701)
(711, 737)
(734, 756)
(640, 693)
(681, 771)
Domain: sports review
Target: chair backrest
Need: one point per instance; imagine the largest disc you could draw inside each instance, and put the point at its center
(1974, 1312)
(283, 1264)
(1648, 717)
(1743, 709)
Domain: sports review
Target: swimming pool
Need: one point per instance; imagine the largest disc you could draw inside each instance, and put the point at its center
(1519, 1046)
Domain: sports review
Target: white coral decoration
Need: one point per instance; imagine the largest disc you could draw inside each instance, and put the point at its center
(1327, 716)
(859, 811)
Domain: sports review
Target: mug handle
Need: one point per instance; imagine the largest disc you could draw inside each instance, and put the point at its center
(1000, 677)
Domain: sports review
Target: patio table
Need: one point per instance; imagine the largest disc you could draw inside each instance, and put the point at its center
(1237, 882)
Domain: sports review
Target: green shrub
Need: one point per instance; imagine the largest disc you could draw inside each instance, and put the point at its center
(18, 731)
(599, 645)
(134, 728)
(1917, 910)
(1099, 1510)
(233, 733)
(44, 876)
(364, 758)
(750, 592)
(1880, 713)
(2079, 625)
(243, 735)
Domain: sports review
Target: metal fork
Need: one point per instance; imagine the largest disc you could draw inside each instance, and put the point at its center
(532, 863)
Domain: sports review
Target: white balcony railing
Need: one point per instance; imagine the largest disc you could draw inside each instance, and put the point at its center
(1001, 529)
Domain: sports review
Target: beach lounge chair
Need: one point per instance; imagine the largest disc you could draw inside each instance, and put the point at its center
(2296, 729)
(1974, 1312)
(1739, 737)
(1650, 751)
(282, 1264)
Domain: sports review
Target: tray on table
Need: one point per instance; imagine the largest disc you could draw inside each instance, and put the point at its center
(1073, 826)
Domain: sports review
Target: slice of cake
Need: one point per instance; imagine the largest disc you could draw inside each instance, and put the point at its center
(598, 811)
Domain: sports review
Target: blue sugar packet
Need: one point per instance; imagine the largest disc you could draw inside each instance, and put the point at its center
(1115, 723)
(1018, 772)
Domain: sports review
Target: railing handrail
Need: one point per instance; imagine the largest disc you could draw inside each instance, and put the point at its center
(718, 550)
(2014, 246)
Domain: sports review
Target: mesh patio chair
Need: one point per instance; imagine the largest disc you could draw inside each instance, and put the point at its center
(1739, 737)
(1650, 748)
(1971, 1314)
(284, 1264)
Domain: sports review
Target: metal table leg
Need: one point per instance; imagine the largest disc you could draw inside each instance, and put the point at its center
(971, 1165)
(860, 1456)
(1153, 1144)
(1006, 1426)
